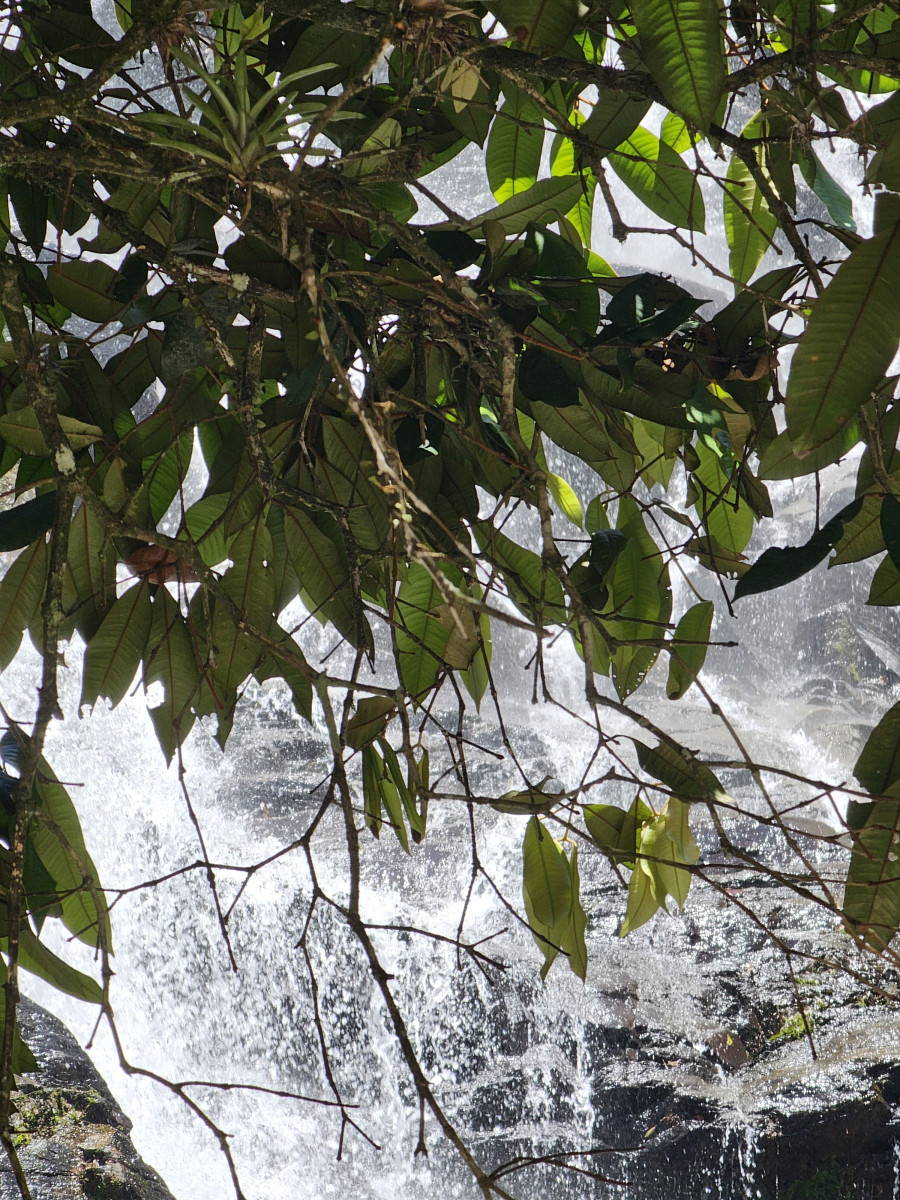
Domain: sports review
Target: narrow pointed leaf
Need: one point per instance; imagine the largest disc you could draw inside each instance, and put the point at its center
(546, 875)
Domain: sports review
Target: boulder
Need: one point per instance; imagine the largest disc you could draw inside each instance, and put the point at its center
(72, 1138)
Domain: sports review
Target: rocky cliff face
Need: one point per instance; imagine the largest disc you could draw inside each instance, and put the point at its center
(72, 1137)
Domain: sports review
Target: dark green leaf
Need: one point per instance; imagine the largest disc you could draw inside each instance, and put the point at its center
(21, 525)
(780, 565)
(848, 343)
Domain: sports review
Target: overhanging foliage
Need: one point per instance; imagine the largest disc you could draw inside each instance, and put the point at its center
(214, 250)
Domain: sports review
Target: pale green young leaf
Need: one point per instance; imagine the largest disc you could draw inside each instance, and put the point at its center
(565, 497)
(642, 903)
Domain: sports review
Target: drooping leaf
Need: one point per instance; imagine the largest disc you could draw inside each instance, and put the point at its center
(872, 894)
(659, 178)
(546, 875)
(848, 343)
(513, 151)
(21, 590)
(324, 574)
(62, 851)
(114, 653)
(250, 583)
(22, 524)
(780, 565)
(369, 721)
(878, 766)
(641, 598)
(642, 903)
(617, 830)
(683, 46)
(35, 957)
(688, 648)
(171, 658)
(749, 222)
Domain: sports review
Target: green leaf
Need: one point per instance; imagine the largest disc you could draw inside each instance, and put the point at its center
(640, 596)
(537, 203)
(778, 460)
(86, 288)
(613, 119)
(727, 517)
(21, 590)
(204, 525)
(890, 527)
(872, 895)
(250, 583)
(513, 152)
(878, 766)
(666, 842)
(565, 498)
(538, 25)
(528, 803)
(683, 47)
(372, 767)
(885, 588)
(369, 721)
(689, 645)
(114, 653)
(783, 564)
(535, 592)
(20, 429)
(21, 525)
(423, 632)
(324, 574)
(573, 941)
(862, 536)
(546, 877)
(683, 775)
(89, 589)
(475, 677)
(832, 195)
(749, 223)
(848, 343)
(642, 903)
(171, 659)
(658, 177)
(36, 958)
(617, 830)
(66, 859)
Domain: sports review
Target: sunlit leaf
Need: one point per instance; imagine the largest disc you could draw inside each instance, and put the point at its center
(688, 648)
(683, 46)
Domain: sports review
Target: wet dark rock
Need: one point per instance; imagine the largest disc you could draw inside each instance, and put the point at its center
(70, 1134)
